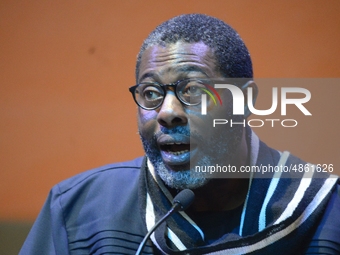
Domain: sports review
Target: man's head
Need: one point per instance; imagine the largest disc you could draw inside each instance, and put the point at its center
(193, 49)
(232, 56)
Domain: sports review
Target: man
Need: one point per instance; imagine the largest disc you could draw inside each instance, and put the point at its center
(110, 209)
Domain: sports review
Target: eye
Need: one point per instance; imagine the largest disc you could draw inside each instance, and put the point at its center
(192, 89)
(151, 93)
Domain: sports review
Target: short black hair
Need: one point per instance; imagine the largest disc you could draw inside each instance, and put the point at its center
(233, 58)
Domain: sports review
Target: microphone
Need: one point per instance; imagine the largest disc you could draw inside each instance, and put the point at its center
(180, 203)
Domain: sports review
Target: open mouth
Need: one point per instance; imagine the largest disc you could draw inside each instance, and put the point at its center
(175, 148)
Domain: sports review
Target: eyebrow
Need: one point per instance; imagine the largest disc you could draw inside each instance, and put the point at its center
(146, 75)
(183, 69)
(191, 68)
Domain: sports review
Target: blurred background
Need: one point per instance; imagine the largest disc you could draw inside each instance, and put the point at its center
(65, 69)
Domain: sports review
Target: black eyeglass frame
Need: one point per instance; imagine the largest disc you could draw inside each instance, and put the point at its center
(164, 87)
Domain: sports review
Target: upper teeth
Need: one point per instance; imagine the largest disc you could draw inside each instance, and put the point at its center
(179, 152)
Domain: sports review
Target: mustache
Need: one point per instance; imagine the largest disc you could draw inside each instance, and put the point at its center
(182, 130)
(171, 131)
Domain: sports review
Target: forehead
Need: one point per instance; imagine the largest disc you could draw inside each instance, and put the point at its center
(177, 59)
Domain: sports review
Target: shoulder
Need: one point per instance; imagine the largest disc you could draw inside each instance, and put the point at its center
(330, 221)
(94, 205)
(327, 235)
(111, 176)
(100, 191)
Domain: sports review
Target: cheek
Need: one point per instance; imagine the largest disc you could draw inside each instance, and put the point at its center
(147, 121)
(145, 116)
(223, 116)
(224, 111)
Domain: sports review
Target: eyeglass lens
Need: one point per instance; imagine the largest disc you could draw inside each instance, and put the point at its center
(150, 95)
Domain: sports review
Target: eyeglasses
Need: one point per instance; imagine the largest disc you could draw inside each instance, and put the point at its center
(150, 95)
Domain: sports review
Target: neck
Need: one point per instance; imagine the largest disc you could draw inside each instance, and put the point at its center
(223, 194)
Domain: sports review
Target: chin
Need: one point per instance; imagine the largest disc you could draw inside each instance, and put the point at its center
(186, 177)
(180, 179)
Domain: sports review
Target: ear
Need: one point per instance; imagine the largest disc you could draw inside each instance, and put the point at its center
(250, 85)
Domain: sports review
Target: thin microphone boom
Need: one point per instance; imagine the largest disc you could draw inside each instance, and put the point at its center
(180, 203)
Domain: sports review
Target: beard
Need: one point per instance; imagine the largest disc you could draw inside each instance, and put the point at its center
(217, 148)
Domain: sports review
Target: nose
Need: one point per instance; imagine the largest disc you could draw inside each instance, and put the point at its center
(172, 113)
